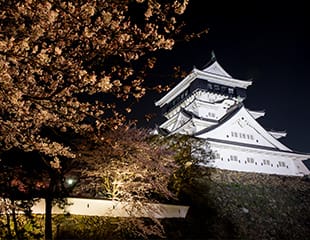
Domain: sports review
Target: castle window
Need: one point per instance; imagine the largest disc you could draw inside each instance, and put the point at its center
(216, 87)
(230, 91)
(233, 158)
(250, 160)
(223, 89)
(266, 162)
(234, 134)
(251, 137)
(211, 114)
(210, 86)
(186, 92)
(281, 164)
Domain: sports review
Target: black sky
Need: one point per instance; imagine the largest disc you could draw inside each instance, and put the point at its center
(266, 41)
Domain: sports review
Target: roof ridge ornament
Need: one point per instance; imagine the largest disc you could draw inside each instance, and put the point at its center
(213, 57)
(212, 60)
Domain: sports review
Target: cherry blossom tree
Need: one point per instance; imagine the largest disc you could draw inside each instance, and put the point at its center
(64, 63)
(67, 67)
(139, 168)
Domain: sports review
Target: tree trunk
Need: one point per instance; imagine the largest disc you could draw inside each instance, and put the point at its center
(8, 226)
(48, 218)
(15, 222)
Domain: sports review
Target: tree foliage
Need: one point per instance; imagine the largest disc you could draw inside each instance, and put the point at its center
(72, 69)
(65, 66)
(128, 166)
(135, 166)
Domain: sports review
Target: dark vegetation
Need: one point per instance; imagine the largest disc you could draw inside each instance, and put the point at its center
(223, 205)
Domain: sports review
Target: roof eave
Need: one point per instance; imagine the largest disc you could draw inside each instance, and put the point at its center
(176, 90)
(278, 133)
(233, 81)
(196, 73)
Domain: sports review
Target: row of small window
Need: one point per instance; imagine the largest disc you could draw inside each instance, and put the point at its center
(222, 89)
(251, 160)
(184, 94)
(242, 135)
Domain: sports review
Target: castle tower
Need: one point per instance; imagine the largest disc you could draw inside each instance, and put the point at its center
(208, 104)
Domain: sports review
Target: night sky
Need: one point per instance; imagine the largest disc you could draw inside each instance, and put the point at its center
(265, 41)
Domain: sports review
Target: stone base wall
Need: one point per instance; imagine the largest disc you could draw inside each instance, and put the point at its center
(236, 205)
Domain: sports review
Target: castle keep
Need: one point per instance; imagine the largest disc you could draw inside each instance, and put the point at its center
(208, 104)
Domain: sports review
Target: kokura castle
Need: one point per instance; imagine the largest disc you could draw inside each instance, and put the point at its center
(208, 104)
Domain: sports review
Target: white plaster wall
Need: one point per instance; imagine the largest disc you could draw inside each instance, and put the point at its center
(301, 168)
(242, 127)
(218, 109)
(99, 207)
(223, 161)
(210, 113)
(243, 123)
(211, 97)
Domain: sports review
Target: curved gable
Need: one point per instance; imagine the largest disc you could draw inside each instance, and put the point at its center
(242, 128)
(217, 69)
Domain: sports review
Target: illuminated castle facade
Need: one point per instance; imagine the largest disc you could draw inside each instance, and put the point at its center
(208, 104)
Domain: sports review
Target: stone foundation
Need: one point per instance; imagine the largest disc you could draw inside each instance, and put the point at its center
(237, 205)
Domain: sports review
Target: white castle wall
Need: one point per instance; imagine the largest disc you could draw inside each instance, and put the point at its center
(100, 207)
(243, 159)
